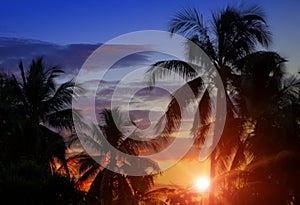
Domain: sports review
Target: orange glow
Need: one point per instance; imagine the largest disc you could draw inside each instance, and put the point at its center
(202, 183)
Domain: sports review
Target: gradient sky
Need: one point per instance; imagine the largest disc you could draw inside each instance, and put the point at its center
(65, 22)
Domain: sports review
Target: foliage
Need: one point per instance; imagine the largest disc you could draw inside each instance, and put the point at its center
(29, 183)
(107, 186)
(33, 109)
(261, 131)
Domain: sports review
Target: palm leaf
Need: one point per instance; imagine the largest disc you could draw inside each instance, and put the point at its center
(60, 119)
(187, 22)
(161, 69)
(61, 98)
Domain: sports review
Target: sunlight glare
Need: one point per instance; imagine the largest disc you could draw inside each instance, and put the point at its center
(202, 183)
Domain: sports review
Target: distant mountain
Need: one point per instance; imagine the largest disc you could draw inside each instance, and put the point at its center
(70, 57)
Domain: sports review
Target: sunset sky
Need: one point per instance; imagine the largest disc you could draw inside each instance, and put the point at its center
(95, 22)
(65, 22)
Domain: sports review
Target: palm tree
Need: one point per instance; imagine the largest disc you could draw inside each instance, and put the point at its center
(275, 143)
(273, 105)
(43, 106)
(233, 34)
(109, 185)
(261, 78)
(12, 122)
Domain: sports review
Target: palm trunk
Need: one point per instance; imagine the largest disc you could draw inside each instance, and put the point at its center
(211, 197)
(35, 136)
(213, 161)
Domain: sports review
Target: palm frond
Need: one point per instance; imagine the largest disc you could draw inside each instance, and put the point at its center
(61, 119)
(87, 163)
(179, 100)
(21, 67)
(113, 122)
(291, 89)
(93, 141)
(239, 156)
(162, 69)
(50, 75)
(61, 98)
(238, 30)
(202, 119)
(142, 184)
(187, 22)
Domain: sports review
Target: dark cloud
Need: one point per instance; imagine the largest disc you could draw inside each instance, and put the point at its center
(141, 58)
(68, 57)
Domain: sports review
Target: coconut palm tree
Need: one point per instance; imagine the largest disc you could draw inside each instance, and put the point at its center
(109, 185)
(232, 35)
(43, 107)
(261, 78)
(275, 143)
(32, 111)
(12, 122)
(272, 102)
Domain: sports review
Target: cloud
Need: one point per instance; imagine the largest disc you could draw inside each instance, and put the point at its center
(69, 57)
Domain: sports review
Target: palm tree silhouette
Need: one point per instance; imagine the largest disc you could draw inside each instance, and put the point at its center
(40, 107)
(275, 144)
(261, 80)
(232, 35)
(33, 109)
(111, 184)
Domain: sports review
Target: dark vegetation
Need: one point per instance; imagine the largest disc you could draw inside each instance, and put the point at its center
(257, 160)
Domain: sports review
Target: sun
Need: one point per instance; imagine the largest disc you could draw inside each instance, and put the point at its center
(202, 183)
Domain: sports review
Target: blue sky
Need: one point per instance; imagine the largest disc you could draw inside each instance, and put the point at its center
(65, 22)
(97, 21)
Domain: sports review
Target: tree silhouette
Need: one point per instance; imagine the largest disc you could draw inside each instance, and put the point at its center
(233, 34)
(275, 143)
(109, 185)
(33, 107)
